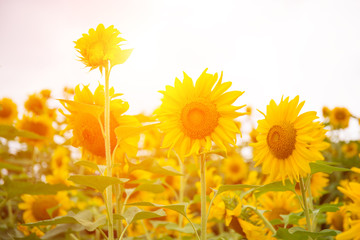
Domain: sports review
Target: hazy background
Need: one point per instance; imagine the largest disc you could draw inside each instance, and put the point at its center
(266, 48)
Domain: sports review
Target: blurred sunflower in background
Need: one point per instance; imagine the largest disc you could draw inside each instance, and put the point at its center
(339, 117)
(234, 168)
(8, 111)
(287, 141)
(350, 149)
(42, 207)
(40, 125)
(36, 104)
(192, 116)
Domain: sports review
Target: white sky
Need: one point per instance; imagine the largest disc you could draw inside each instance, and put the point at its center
(266, 48)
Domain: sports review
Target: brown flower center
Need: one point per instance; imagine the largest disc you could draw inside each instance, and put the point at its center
(199, 119)
(340, 115)
(5, 111)
(281, 140)
(42, 205)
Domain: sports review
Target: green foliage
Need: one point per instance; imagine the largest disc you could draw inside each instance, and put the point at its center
(99, 183)
(150, 165)
(321, 166)
(17, 188)
(297, 233)
(133, 214)
(10, 132)
(275, 187)
(84, 218)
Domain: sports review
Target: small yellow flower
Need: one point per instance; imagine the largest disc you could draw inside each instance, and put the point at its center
(234, 168)
(253, 135)
(36, 104)
(194, 115)
(100, 47)
(60, 158)
(339, 117)
(326, 112)
(38, 207)
(8, 111)
(40, 125)
(288, 142)
(350, 150)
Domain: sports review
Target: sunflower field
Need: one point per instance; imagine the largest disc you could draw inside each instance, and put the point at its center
(88, 170)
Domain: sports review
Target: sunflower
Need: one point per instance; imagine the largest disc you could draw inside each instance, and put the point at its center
(326, 112)
(319, 181)
(338, 220)
(59, 176)
(86, 114)
(235, 169)
(101, 46)
(350, 150)
(339, 117)
(36, 104)
(253, 135)
(42, 207)
(40, 125)
(60, 158)
(8, 111)
(253, 232)
(192, 116)
(287, 142)
(279, 203)
(45, 93)
(352, 233)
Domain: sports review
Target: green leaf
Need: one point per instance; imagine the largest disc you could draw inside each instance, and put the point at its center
(133, 214)
(297, 233)
(321, 166)
(150, 165)
(292, 218)
(84, 218)
(148, 187)
(17, 188)
(275, 187)
(236, 187)
(10, 132)
(179, 207)
(99, 183)
(11, 167)
(32, 236)
(175, 227)
(124, 132)
(88, 164)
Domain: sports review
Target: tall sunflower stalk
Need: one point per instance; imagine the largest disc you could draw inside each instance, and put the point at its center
(100, 49)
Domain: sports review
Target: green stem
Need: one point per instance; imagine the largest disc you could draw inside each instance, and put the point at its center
(123, 232)
(203, 195)
(108, 153)
(192, 225)
(181, 192)
(264, 219)
(306, 208)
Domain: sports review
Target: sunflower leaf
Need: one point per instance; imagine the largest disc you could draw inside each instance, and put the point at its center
(99, 183)
(297, 233)
(275, 187)
(17, 188)
(150, 165)
(179, 207)
(321, 166)
(133, 214)
(84, 218)
(123, 132)
(224, 188)
(88, 164)
(10, 132)
(11, 167)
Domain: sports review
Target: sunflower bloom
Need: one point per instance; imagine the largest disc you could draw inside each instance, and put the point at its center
(100, 47)
(350, 150)
(235, 169)
(86, 114)
(41, 125)
(339, 117)
(8, 111)
(42, 207)
(36, 104)
(192, 116)
(287, 141)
